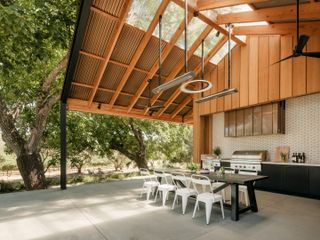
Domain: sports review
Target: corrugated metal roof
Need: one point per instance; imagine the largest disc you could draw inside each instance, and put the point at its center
(86, 70)
(134, 81)
(127, 44)
(112, 76)
(175, 56)
(81, 93)
(102, 97)
(112, 7)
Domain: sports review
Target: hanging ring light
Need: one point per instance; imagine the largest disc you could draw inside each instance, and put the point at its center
(184, 88)
(203, 82)
(187, 75)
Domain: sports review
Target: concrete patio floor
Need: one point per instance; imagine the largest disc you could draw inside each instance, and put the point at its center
(114, 211)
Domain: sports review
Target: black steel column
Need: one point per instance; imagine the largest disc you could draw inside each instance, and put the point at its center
(63, 145)
(235, 202)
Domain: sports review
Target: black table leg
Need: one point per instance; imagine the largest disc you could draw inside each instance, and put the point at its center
(252, 197)
(235, 202)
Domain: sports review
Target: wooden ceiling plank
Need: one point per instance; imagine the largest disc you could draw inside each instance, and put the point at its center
(180, 65)
(140, 49)
(109, 49)
(155, 67)
(209, 20)
(82, 106)
(209, 4)
(181, 106)
(283, 13)
(309, 28)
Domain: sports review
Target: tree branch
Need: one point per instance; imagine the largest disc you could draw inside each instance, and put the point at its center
(10, 134)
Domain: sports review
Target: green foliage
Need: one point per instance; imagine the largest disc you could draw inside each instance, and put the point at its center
(13, 186)
(217, 151)
(193, 167)
(8, 168)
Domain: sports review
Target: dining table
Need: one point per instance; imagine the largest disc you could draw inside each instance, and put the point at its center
(229, 179)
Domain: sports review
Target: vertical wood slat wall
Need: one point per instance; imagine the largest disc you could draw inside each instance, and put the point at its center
(257, 79)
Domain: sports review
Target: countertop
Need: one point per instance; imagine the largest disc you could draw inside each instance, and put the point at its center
(292, 163)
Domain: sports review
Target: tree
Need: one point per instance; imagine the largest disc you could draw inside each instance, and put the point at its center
(34, 38)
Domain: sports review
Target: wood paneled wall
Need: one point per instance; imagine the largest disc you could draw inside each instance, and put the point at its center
(258, 79)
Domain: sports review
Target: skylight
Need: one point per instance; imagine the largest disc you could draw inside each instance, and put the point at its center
(195, 28)
(261, 23)
(142, 12)
(234, 9)
(210, 41)
(171, 20)
(221, 53)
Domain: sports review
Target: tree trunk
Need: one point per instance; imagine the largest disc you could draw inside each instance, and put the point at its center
(31, 170)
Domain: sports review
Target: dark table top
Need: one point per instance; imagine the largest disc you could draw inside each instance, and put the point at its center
(227, 177)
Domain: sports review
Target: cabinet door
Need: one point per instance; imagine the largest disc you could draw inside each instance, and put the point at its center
(248, 122)
(226, 124)
(314, 181)
(257, 120)
(267, 119)
(232, 123)
(275, 180)
(240, 123)
(296, 179)
(275, 118)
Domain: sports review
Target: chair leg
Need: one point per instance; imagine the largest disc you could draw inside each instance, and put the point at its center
(223, 193)
(149, 190)
(164, 197)
(222, 210)
(195, 208)
(208, 211)
(184, 204)
(174, 201)
(246, 198)
(155, 198)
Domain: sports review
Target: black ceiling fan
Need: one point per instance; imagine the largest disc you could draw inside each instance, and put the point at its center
(301, 42)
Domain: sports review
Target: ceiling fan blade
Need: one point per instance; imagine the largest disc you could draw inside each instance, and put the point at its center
(312, 54)
(154, 107)
(303, 39)
(283, 59)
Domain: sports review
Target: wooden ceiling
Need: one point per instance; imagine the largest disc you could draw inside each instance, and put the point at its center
(111, 61)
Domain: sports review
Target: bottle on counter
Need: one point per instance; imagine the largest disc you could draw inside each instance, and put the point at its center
(299, 157)
(303, 157)
(294, 157)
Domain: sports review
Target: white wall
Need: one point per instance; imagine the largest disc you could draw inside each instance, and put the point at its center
(302, 131)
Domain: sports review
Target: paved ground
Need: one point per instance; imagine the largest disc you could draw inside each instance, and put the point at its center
(113, 211)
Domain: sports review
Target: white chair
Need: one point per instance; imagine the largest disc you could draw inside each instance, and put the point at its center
(219, 184)
(183, 192)
(206, 196)
(243, 191)
(150, 183)
(165, 188)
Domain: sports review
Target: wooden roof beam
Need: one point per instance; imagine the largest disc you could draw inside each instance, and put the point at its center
(82, 106)
(309, 28)
(283, 13)
(108, 51)
(181, 106)
(155, 67)
(177, 92)
(209, 4)
(140, 49)
(209, 20)
(113, 91)
(180, 65)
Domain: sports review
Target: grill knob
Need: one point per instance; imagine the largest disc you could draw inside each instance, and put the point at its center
(244, 166)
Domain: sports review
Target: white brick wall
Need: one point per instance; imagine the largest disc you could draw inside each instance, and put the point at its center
(302, 131)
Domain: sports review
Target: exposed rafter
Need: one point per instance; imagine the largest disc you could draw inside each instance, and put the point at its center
(82, 106)
(210, 21)
(309, 28)
(109, 49)
(177, 92)
(155, 67)
(209, 4)
(180, 65)
(140, 49)
(283, 13)
(181, 106)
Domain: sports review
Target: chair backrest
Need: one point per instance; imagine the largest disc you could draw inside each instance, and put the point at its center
(161, 174)
(201, 181)
(146, 175)
(179, 177)
(254, 173)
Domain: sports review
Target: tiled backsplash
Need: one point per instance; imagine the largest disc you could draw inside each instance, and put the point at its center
(302, 131)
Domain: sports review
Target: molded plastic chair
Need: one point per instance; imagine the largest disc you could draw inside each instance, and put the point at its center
(183, 192)
(150, 183)
(206, 195)
(243, 189)
(165, 188)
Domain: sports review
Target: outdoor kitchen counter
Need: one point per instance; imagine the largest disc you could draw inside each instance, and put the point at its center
(292, 163)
